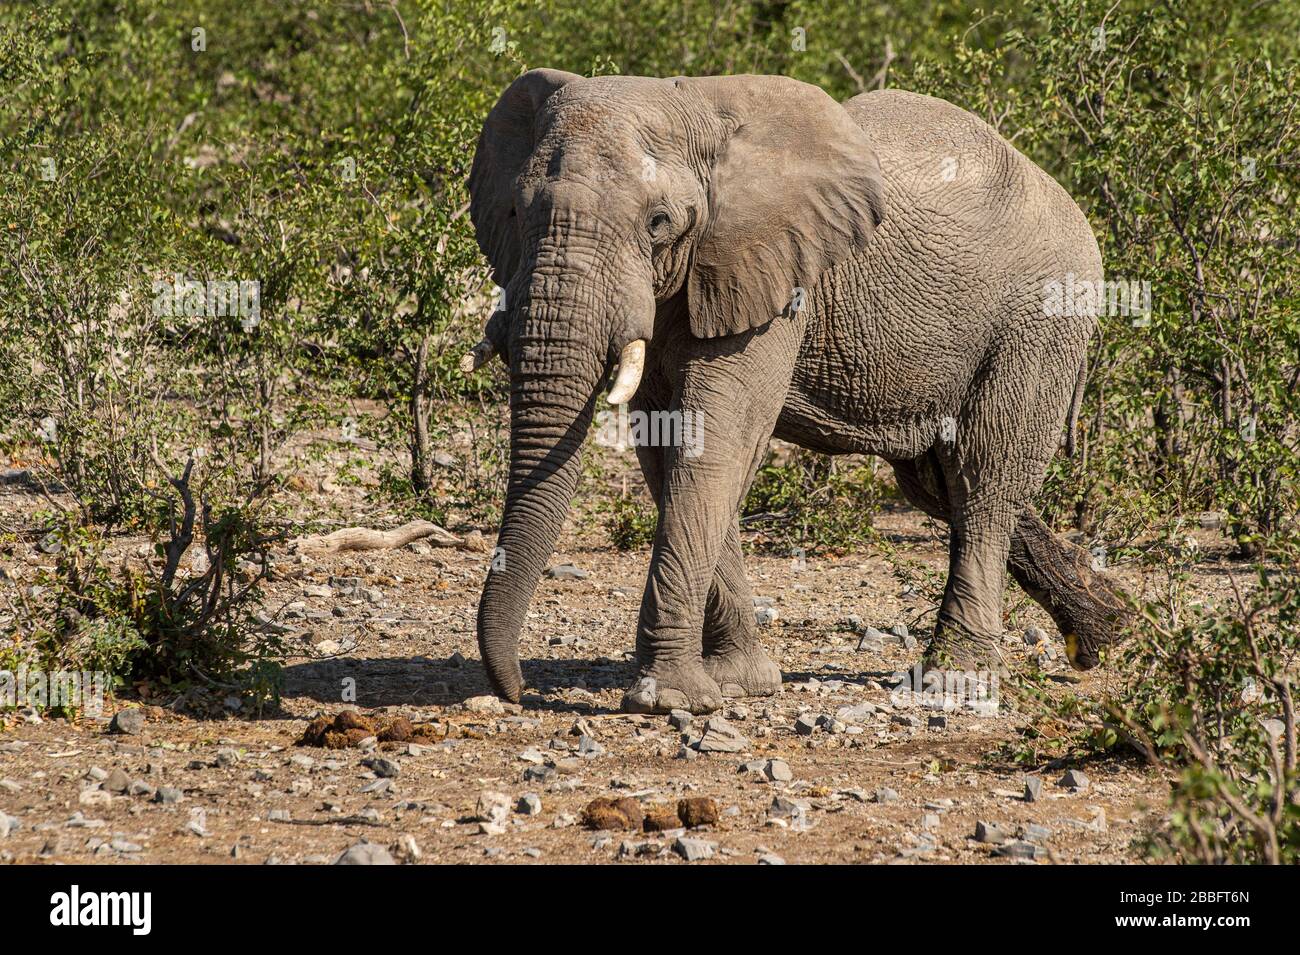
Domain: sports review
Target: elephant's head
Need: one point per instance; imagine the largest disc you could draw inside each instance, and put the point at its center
(597, 201)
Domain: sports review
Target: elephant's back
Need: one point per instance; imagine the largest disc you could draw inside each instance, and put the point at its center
(948, 172)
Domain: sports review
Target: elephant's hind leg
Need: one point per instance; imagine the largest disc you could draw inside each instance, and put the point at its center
(733, 655)
(1056, 574)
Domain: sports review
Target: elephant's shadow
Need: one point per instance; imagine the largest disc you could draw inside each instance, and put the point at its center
(376, 682)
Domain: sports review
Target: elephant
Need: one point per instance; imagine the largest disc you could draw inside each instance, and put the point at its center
(866, 277)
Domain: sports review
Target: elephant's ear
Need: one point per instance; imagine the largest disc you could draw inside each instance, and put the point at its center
(795, 189)
(507, 141)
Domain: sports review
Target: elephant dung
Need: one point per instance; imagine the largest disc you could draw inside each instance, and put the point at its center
(661, 819)
(605, 813)
(697, 811)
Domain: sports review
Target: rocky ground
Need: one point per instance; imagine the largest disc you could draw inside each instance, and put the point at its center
(837, 768)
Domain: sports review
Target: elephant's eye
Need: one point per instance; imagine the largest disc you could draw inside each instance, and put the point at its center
(658, 222)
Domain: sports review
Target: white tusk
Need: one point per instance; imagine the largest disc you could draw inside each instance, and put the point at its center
(476, 357)
(630, 365)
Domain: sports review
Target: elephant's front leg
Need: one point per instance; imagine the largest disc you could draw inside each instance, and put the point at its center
(733, 656)
(731, 391)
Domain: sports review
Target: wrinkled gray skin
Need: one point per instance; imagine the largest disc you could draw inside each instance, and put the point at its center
(686, 212)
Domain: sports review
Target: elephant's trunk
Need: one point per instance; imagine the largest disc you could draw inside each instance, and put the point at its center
(556, 369)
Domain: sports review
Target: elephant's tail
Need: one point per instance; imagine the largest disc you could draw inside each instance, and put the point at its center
(1072, 419)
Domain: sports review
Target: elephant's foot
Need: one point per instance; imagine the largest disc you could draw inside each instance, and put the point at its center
(662, 689)
(744, 671)
(955, 648)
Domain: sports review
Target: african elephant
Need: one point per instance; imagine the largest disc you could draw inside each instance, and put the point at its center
(858, 278)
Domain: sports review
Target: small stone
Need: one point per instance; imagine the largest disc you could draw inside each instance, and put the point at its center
(679, 720)
(1075, 779)
(117, 781)
(381, 767)
(8, 824)
(990, 832)
(1035, 833)
(129, 722)
(279, 815)
(95, 797)
(806, 725)
(1033, 788)
(937, 722)
(721, 737)
(406, 849)
(886, 795)
(492, 807)
(858, 713)
(1019, 850)
(768, 858)
(1034, 636)
(122, 845)
(529, 804)
(930, 820)
(168, 795)
(765, 616)
(566, 572)
(139, 787)
(485, 706)
(778, 771)
(693, 850)
(365, 853)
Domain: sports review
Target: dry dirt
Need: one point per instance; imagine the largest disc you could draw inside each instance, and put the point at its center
(249, 794)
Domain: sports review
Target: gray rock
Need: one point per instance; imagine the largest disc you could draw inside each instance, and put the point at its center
(122, 845)
(493, 807)
(382, 767)
(806, 725)
(117, 782)
(365, 853)
(1033, 832)
(566, 572)
(139, 787)
(778, 771)
(8, 824)
(1019, 850)
(279, 815)
(1075, 779)
(886, 795)
(721, 737)
(1033, 789)
(129, 722)
(769, 858)
(765, 616)
(539, 774)
(530, 804)
(679, 720)
(857, 713)
(168, 795)
(991, 832)
(693, 850)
